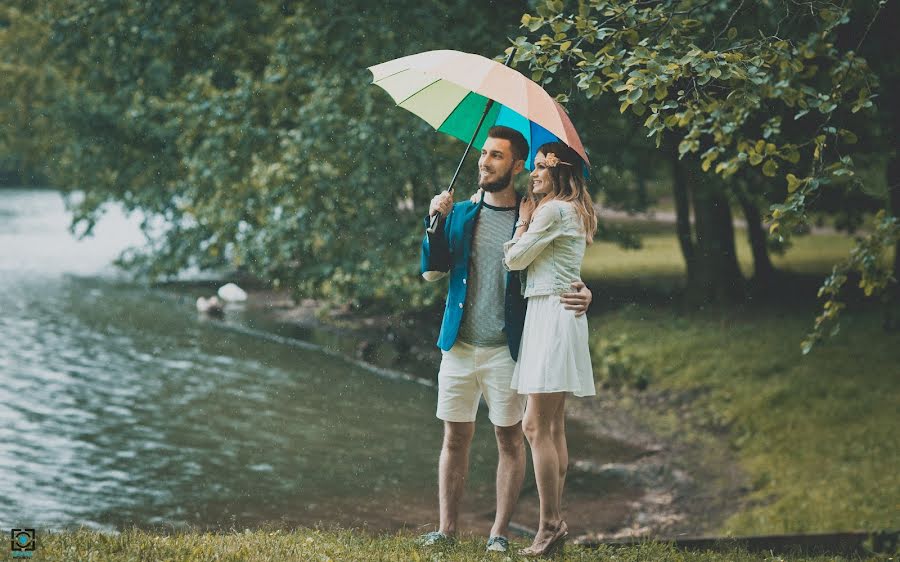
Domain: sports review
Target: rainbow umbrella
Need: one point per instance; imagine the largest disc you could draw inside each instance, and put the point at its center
(451, 90)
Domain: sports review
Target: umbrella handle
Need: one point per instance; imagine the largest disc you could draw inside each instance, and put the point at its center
(436, 220)
(437, 217)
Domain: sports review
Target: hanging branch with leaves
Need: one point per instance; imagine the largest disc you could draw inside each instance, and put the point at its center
(709, 74)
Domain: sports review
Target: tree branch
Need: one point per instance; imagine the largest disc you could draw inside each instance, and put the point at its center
(727, 25)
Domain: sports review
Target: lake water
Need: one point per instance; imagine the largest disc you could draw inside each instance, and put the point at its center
(121, 407)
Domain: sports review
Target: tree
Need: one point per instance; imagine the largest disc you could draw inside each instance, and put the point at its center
(27, 88)
(724, 92)
(249, 135)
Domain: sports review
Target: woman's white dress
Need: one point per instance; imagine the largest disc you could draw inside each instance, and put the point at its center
(554, 355)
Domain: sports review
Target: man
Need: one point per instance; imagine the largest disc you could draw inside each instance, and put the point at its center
(481, 331)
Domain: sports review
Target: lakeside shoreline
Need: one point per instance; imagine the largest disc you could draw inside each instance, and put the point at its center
(655, 489)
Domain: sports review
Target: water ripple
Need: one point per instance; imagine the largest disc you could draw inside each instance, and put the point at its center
(122, 409)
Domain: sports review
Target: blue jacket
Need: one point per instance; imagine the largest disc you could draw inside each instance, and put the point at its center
(448, 251)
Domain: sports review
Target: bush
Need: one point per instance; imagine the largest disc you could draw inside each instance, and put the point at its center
(617, 368)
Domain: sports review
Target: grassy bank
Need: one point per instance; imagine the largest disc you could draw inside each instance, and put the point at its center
(305, 544)
(816, 435)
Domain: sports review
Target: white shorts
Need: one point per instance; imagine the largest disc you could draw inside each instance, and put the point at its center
(468, 372)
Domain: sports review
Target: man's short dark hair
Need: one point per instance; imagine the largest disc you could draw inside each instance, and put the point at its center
(515, 138)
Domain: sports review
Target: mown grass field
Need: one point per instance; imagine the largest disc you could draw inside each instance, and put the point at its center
(346, 545)
(817, 434)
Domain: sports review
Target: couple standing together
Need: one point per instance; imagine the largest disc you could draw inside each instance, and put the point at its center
(499, 250)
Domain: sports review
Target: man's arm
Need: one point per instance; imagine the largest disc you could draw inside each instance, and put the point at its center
(579, 300)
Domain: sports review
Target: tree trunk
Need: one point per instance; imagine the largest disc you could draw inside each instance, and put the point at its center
(713, 274)
(763, 271)
(890, 78)
(719, 280)
(892, 308)
(893, 178)
(683, 217)
(643, 198)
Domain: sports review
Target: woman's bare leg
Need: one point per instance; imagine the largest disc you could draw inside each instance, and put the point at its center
(541, 414)
(558, 429)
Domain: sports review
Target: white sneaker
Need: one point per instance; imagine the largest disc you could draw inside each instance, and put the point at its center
(498, 544)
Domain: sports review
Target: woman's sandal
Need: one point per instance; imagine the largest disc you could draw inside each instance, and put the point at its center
(551, 547)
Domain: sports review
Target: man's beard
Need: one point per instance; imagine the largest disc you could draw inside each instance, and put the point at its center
(499, 185)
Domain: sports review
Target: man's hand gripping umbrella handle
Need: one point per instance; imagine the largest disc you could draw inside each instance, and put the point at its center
(437, 217)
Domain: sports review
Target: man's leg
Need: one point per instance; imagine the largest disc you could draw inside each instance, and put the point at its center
(506, 407)
(510, 475)
(452, 471)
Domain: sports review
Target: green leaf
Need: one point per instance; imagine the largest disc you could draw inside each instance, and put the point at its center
(770, 168)
(661, 92)
(715, 72)
(793, 183)
(807, 346)
(635, 95)
(848, 137)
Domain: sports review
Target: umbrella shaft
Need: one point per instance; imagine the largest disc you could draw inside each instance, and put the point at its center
(435, 220)
(487, 108)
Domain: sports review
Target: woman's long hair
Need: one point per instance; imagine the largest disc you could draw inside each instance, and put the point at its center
(567, 184)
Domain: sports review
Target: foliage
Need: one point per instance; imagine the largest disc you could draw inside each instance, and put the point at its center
(772, 92)
(249, 136)
(615, 366)
(27, 88)
(248, 133)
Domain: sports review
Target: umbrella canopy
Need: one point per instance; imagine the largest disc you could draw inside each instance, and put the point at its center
(449, 90)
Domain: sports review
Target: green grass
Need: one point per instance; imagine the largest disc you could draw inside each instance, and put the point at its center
(660, 259)
(817, 434)
(308, 544)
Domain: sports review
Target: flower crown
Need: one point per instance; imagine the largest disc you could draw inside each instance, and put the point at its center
(551, 160)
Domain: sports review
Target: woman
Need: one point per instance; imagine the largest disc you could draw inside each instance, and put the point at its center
(554, 358)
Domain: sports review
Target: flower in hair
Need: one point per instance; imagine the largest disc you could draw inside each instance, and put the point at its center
(551, 160)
